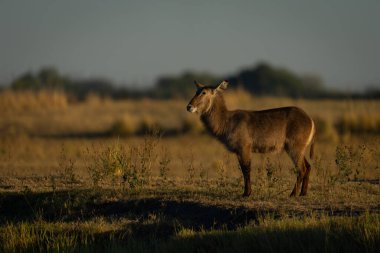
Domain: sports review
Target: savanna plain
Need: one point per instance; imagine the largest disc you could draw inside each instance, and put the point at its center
(143, 176)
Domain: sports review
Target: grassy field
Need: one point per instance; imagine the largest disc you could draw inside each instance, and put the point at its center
(92, 177)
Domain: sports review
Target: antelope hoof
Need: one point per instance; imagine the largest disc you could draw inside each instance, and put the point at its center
(303, 194)
(293, 194)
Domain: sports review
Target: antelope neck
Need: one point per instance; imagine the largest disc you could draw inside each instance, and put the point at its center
(216, 117)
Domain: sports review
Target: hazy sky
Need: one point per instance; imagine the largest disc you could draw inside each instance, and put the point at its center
(136, 41)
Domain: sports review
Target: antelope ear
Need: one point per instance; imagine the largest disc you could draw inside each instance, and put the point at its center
(198, 85)
(222, 86)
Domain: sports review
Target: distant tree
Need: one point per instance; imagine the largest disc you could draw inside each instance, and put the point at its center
(312, 86)
(26, 81)
(264, 79)
(261, 79)
(98, 86)
(50, 78)
(46, 78)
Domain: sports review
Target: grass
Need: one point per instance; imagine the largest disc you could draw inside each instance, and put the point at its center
(16, 101)
(324, 234)
(51, 114)
(87, 178)
(101, 221)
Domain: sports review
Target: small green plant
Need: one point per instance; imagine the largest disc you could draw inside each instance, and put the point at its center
(191, 171)
(362, 158)
(221, 171)
(164, 164)
(322, 172)
(109, 163)
(260, 181)
(270, 169)
(190, 168)
(130, 175)
(66, 169)
(270, 176)
(94, 169)
(203, 174)
(325, 176)
(343, 160)
(352, 162)
(116, 164)
(147, 154)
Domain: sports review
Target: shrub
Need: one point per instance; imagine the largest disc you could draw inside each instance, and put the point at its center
(131, 166)
(352, 161)
(123, 127)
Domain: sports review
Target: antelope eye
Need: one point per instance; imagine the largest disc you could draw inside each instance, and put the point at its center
(203, 92)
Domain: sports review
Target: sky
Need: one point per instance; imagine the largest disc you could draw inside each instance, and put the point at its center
(137, 41)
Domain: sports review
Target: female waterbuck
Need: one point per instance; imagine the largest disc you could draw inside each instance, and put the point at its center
(243, 132)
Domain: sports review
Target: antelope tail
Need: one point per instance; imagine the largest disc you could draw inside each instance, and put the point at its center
(312, 139)
(312, 150)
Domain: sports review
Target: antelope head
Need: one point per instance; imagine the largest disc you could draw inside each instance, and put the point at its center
(204, 97)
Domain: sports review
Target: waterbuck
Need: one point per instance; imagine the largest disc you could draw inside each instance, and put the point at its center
(243, 132)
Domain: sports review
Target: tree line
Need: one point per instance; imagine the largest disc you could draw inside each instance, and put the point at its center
(261, 79)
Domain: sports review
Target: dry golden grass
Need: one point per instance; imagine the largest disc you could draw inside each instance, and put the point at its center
(48, 113)
(197, 164)
(47, 147)
(19, 101)
(68, 181)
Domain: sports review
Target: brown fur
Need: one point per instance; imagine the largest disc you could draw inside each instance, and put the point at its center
(244, 132)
